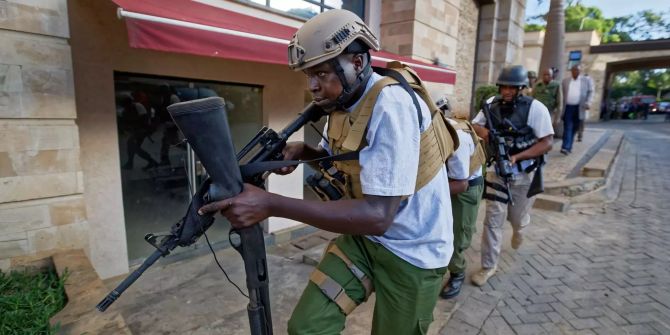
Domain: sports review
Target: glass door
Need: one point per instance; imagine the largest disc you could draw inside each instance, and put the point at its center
(159, 171)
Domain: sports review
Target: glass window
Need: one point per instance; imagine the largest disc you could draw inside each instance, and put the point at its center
(158, 170)
(308, 8)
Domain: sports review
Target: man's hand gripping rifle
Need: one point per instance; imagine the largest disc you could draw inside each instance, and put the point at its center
(205, 126)
(500, 158)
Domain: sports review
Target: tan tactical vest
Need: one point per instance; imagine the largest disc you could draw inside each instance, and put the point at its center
(346, 132)
(478, 158)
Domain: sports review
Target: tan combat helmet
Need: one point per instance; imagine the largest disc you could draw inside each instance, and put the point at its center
(326, 36)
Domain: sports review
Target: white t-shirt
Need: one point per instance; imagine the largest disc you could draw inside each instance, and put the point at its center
(538, 119)
(422, 230)
(574, 91)
(458, 165)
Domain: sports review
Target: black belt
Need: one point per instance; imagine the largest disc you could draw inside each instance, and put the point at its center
(476, 182)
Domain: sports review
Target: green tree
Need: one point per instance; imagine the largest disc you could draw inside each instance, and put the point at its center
(533, 27)
(643, 25)
(641, 82)
(660, 81)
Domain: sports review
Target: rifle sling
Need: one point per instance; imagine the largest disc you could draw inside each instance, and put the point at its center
(493, 196)
(252, 169)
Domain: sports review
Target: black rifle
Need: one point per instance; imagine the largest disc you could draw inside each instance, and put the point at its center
(537, 184)
(500, 158)
(204, 125)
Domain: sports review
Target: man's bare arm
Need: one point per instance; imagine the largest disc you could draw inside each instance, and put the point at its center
(457, 186)
(371, 215)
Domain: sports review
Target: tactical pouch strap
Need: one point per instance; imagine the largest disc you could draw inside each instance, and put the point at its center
(362, 115)
(362, 277)
(333, 291)
(405, 84)
(492, 196)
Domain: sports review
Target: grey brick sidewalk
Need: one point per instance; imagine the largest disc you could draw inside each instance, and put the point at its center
(594, 270)
(599, 269)
(560, 166)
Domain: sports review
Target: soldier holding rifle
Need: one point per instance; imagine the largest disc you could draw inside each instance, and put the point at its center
(522, 126)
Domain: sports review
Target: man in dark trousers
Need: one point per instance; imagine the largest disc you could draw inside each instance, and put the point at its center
(577, 95)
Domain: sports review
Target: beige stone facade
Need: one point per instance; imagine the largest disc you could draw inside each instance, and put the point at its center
(423, 30)
(500, 38)
(465, 57)
(59, 151)
(41, 198)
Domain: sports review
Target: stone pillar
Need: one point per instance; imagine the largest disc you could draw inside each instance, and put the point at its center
(500, 38)
(423, 30)
(465, 57)
(41, 203)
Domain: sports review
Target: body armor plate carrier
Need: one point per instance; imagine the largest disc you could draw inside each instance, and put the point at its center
(346, 134)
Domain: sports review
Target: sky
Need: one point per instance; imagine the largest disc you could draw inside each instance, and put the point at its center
(610, 8)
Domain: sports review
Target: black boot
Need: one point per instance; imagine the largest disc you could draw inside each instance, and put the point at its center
(453, 287)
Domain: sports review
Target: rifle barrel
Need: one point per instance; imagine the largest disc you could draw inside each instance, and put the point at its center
(116, 293)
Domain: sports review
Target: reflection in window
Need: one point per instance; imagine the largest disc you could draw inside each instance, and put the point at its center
(158, 171)
(308, 8)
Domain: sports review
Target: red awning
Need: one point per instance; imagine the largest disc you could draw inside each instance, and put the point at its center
(192, 27)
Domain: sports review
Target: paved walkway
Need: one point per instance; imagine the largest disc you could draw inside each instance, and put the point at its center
(596, 269)
(560, 166)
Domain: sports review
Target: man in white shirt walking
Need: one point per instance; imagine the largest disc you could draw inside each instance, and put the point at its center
(578, 93)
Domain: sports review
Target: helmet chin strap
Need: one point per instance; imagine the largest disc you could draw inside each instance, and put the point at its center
(350, 86)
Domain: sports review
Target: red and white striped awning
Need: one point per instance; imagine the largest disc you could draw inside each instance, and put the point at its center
(192, 27)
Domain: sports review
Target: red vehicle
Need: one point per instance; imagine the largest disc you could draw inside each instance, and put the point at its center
(638, 106)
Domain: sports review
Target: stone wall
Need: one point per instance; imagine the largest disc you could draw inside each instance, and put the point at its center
(532, 51)
(423, 30)
(465, 56)
(95, 61)
(41, 202)
(500, 38)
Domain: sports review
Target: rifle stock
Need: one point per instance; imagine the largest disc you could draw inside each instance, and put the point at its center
(205, 126)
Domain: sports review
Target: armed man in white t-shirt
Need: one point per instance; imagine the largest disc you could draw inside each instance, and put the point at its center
(518, 131)
(392, 207)
(466, 184)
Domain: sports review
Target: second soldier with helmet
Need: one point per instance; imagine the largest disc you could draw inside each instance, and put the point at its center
(525, 125)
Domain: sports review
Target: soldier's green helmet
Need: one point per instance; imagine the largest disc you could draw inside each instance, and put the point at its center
(326, 36)
(514, 75)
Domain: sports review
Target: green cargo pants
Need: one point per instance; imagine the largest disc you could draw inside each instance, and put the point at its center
(464, 207)
(405, 294)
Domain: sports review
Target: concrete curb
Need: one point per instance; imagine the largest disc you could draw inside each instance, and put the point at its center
(589, 187)
(599, 165)
(84, 290)
(610, 190)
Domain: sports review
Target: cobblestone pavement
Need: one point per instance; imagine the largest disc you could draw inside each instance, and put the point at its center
(597, 269)
(561, 165)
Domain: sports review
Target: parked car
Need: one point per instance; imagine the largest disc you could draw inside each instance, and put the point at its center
(635, 107)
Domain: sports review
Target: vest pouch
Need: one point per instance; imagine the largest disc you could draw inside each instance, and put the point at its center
(479, 157)
(353, 185)
(447, 139)
(325, 187)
